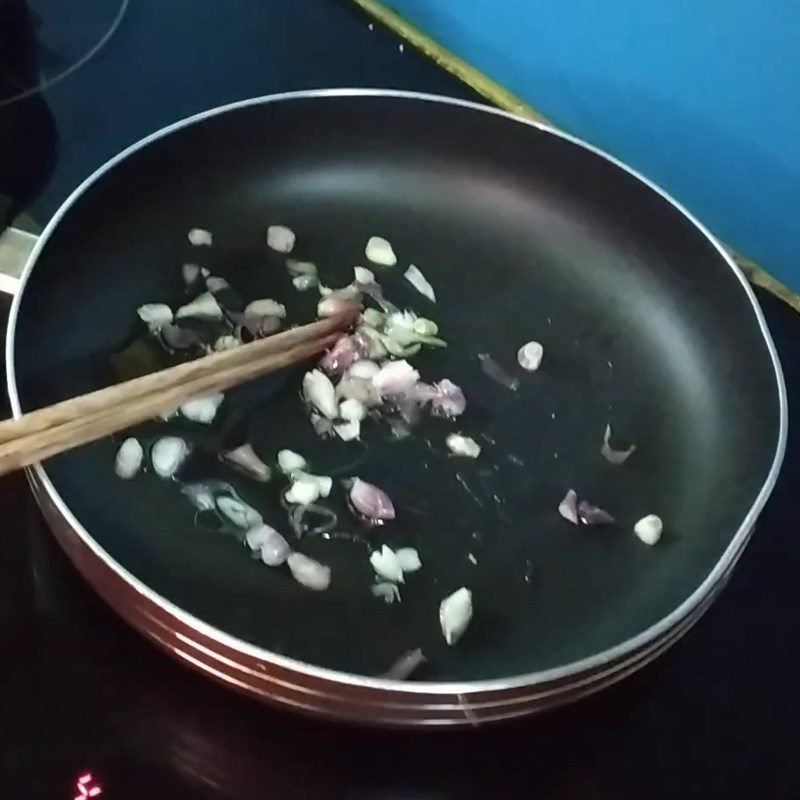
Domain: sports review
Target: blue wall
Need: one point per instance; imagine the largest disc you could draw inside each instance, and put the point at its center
(702, 96)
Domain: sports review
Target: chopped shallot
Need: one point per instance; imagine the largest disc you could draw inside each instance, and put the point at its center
(612, 455)
(324, 483)
(464, 446)
(204, 307)
(497, 373)
(379, 251)
(308, 572)
(362, 369)
(395, 378)
(200, 495)
(289, 461)
(386, 564)
(304, 282)
(447, 399)
(530, 355)
(320, 393)
(167, 454)
(649, 529)
(405, 665)
(238, 512)
(190, 273)
(303, 491)
(312, 519)
(360, 389)
(266, 308)
(226, 342)
(352, 410)
(280, 238)
(246, 459)
(568, 507)
(129, 459)
(176, 338)
(387, 591)
(202, 409)
(370, 502)
(337, 305)
(200, 238)
(420, 283)
(271, 546)
(346, 351)
(455, 613)
(409, 559)
(323, 427)
(155, 315)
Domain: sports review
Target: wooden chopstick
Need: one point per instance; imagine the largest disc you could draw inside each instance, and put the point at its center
(71, 423)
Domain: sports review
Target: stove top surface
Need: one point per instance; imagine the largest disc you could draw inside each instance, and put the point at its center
(89, 708)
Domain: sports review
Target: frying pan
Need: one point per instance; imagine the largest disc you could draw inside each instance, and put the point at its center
(525, 233)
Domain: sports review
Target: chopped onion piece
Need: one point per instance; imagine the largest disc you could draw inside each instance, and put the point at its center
(385, 563)
(373, 318)
(405, 665)
(238, 512)
(205, 307)
(364, 368)
(216, 284)
(455, 613)
(589, 514)
(420, 283)
(425, 327)
(379, 251)
(346, 351)
(324, 483)
(272, 547)
(568, 507)
(303, 491)
(352, 410)
(129, 459)
(610, 454)
(226, 342)
(372, 503)
(289, 461)
(280, 238)
(348, 431)
(464, 446)
(298, 268)
(319, 392)
(395, 378)
(499, 375)
(409, 559)
(375, 348)
(308, 572)
(155, 315)
(364, 275)
(246, 459)
(200, 237)
(266, 308)
(387, 591)
(190, 273)
(649, 529)
(359, 389)
(167, 454)
(202, 409)
(530, 355)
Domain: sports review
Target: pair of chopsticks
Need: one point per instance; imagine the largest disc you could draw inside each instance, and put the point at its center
(55, 429)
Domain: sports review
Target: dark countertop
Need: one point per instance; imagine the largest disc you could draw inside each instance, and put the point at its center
(79, 691)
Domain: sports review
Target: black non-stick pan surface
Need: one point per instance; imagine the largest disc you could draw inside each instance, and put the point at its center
(524, 234)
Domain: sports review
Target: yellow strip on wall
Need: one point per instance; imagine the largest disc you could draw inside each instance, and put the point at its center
(502, 98)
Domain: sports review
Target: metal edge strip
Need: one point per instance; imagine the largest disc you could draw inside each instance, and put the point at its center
(563, 672)
(508, 101)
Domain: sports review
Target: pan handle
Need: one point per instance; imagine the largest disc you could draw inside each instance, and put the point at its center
(15, 247)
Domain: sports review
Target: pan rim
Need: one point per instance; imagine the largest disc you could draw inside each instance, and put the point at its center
(540, 678)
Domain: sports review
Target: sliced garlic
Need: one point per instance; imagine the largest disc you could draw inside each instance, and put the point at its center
(530, 355)
(385, 563)
(365, 369)
(280, 238)
(387, 591)
(420, 283)
(303, 492)
(202, 409)
(289, 461)
(455, 613)
(266, 308)
(205, 307)
(246, 460)
(320, 393)
(324, 482)
(129, 459)
(352, 410)
(167, 455)
(238, 512)
(464, 446)
(409, 559)
(379, 251)
(308, 572)
(348, 431)
(364, 275)
(200, 237)
(649, 529)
